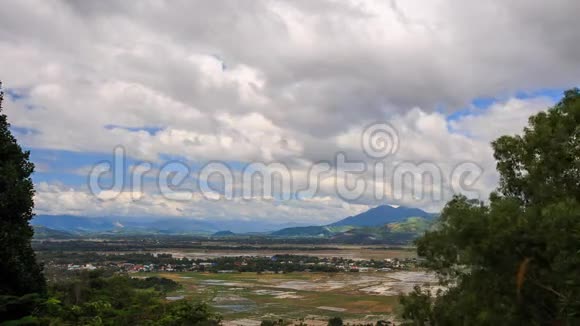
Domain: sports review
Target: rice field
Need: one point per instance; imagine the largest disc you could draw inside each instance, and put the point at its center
(246, 298)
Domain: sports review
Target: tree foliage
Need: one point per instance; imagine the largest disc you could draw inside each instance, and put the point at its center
(92, 298)
(516, 259)
(20, 274)
(335, 321)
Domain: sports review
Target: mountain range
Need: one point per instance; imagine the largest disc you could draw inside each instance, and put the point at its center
(374, 222)
(135, 225)
(377, 220)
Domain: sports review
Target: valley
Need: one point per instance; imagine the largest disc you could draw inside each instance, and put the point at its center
(251, 283)
(354, 269)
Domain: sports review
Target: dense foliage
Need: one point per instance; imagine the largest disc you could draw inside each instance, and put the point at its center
(335, 321)
(516, 259)
(55, 262)
(91, 298)
(21, 278)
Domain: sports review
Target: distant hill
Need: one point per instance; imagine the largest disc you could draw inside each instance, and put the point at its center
(382, 223)
(42, 232)
(73, 223)
(309, 231)
(395, 233)
(149, 225)
(396, 220)
(223, 234)
(78, 224)
(382, 215)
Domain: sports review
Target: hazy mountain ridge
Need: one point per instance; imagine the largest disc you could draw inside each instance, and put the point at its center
(87, 225)
(226, 233)
(373, 223)
(136, 225)
(42, 232)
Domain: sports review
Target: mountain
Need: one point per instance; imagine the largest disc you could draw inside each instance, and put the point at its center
(223, 234)
(310, 231)
(382, 215)
(73, 223)
(42, 232)
(84, 225)
(378, 216)
(393, 233)
(148, 225)
(379, 223)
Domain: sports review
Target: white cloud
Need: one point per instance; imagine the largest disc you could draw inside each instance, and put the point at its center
(278, 81)
(425, 138)
(503, 118)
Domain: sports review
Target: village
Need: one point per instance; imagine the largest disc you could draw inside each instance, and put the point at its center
(259, 264)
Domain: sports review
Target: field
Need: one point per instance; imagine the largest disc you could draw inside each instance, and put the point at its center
(247, 298)
(345, 251)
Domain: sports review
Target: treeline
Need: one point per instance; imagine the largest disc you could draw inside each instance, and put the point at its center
(55, 262)
(149, 245)
(334, 321)
(280, 263)
(360, 236)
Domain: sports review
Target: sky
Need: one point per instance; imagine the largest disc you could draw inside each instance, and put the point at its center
(294, 85)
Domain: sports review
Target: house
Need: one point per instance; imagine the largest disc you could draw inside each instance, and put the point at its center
(72, 267)
(89, 267)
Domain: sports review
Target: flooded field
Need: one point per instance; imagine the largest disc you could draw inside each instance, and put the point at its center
(246, 298)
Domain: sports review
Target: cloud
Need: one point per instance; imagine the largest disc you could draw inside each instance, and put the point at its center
(502, 118)
(278, 81)
(429, 143)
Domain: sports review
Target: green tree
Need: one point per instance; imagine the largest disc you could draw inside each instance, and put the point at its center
(279, 322)
(335, 321)
(89, 298)
(417, 306)
(20, 274)
(186, 313)
(516, 259)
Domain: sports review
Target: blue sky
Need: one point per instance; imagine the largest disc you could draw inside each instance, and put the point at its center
(480, 105)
